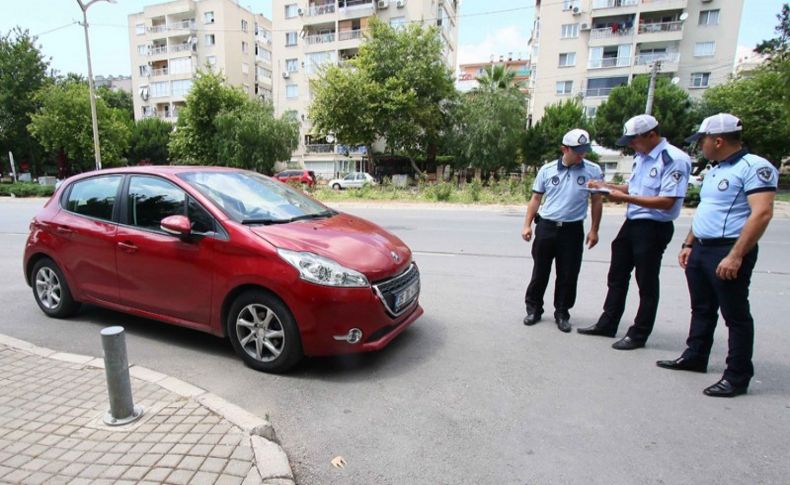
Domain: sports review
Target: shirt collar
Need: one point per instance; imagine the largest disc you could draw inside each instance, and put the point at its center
(561, 166)
(732, 159)
(656, 151)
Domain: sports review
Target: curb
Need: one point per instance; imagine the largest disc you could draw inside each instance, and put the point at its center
(270, 458)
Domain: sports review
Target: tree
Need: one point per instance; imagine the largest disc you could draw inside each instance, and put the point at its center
(543, 140)
(778, 52)
(23, 71)
(118, 99)
(194, 141)
(671, 106)
(405, 90)
(497, 77)
(63, 125)
(251, 137)
(148, 142)
(758, 102)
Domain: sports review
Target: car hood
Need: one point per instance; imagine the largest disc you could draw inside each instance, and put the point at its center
(351, 241)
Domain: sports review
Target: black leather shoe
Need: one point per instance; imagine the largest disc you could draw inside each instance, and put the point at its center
(531, 318)
(682, 363)
(597, 330)
(725, 388)
(627, 343)
(563, 323)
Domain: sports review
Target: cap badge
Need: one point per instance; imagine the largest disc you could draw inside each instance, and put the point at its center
(582, 140)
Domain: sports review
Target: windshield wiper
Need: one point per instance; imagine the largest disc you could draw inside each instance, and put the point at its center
(266, 222)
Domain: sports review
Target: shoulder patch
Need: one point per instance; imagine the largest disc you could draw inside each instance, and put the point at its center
(676, 175)
(765, 174)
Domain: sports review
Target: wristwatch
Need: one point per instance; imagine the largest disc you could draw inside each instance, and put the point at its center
(686, 246)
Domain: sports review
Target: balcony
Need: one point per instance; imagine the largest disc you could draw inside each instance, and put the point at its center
(657, 5)
(608, 4)
(156, 29)
(597, 92)
(316, 10)
(181, 47)
(350, 34)
(355, 8)
(157, 50)
(660, 31)
(183, 25)
(320, 38)
(664, 57)
(159, 72)
(606, 35)
(609, 62)
(320, 148)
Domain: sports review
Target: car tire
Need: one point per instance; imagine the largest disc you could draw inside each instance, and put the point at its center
(51, 291)
(253, 315)
(336, 186)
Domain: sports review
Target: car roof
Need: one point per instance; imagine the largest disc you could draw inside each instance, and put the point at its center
(156, 170)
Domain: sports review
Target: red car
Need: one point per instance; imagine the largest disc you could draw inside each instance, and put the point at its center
(225, 251)
(300, 176)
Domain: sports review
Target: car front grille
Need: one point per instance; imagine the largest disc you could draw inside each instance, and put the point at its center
(392, 290)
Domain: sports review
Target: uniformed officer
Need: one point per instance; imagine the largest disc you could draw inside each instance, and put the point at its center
(654, 194)
(719, 253)
(559, 226)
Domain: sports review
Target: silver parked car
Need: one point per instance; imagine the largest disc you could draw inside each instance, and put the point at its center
(354, 180)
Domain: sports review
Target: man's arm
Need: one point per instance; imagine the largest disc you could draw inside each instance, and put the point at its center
(762, 207)
(600, 184)
(646, 201)
(596, 209)
(532, 209)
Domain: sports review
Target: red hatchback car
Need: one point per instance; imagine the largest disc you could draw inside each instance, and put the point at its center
(225, 251)
(300, 176)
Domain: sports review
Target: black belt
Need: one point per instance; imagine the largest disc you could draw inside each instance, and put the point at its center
(717, 241)
(541, 220)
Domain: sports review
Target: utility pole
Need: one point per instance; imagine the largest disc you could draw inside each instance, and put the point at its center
(651, 90)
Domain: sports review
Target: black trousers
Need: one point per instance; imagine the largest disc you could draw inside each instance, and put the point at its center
(639, 245)
(709, 294)
(565, 244)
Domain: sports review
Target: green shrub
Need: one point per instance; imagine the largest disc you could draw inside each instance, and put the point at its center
(474, 189)
(441, 192)
(26, 189)
(692, 197)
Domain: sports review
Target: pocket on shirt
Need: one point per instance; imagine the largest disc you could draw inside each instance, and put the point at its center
(652, 185)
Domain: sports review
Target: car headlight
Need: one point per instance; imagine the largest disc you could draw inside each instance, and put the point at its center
(323, 271)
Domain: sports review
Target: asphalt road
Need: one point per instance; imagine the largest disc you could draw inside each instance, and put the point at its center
(469, 395)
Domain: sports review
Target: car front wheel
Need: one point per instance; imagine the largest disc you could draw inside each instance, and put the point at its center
(51, 291)
(263, 332)
(336, 186)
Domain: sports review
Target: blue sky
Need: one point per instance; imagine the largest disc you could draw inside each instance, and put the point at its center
(486, 27)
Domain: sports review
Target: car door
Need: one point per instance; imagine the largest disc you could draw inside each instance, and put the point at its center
(351, 181)
(86, 236)
(158, 272)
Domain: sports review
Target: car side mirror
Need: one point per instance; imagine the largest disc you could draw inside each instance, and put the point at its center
(177, 226)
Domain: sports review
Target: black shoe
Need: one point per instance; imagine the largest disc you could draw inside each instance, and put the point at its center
(531, 318)
(725, 388)
(563, 323)
(682, 363)
(627, 343)
(597, 330)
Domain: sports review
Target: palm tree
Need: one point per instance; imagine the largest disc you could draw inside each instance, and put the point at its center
(497, 77)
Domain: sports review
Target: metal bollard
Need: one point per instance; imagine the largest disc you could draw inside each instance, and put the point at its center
(119, 387)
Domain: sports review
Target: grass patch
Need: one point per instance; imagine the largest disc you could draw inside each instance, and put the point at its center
(783, 196)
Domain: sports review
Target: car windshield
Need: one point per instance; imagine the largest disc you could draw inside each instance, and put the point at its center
(251, 198)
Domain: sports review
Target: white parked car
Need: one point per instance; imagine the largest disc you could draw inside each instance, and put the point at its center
(354, 180)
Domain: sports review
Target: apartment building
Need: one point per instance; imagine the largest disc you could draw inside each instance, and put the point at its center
(584, 48)
(311, 33)
(469, 73)
(169, 41)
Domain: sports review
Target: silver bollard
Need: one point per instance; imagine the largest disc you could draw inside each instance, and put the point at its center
(119, 387)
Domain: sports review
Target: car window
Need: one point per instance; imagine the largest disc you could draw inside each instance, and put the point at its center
(360, 176)
(151, 199)
(349, 176)
(249, 197)
(94, 197)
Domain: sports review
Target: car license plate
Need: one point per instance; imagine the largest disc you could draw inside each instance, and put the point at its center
(407, 295)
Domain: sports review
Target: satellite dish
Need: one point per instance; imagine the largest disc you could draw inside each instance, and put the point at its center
(675, 80)
(330, 137)
(684, 16)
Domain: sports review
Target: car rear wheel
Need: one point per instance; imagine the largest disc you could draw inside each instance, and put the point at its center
(336, 186)
(51, 291)
(263, 332)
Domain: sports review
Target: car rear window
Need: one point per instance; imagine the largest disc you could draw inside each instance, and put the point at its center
(94, 197)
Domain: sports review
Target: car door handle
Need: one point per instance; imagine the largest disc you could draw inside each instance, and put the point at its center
(127, 247)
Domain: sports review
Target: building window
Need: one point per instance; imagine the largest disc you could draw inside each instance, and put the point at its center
(245, 47)
(564, 88)
(709, 17)
(397, 22)
(245, 68)
(292, 91)
(244, 25)
(208, 18)
(142, 49)
(704, 49)
(570, 31)
(291, 10)
(567, 59)
(182, 87)
(291, 65)
(144, 70)
(569, 4)
(263, 54)
(140, 29)
(208, 39)
(181, 65)
(589, 111)
(699, 79)
(314, 61)
(263, 73)
(211, 61)
(290, 39)
(160, 90)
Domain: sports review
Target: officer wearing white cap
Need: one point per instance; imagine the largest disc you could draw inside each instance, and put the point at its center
(719, 253)
(559, 226)
(654, 193)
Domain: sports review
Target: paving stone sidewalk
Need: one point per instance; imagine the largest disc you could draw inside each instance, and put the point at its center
(51, 428)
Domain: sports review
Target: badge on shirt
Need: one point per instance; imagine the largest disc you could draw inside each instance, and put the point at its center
(555, 180)
(765, 174)
(724, 185)
(676, 175)
(653, 172)
(581, 179)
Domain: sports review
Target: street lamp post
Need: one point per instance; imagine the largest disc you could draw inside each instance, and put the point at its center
(84, 7)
